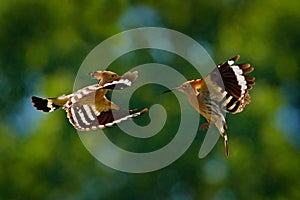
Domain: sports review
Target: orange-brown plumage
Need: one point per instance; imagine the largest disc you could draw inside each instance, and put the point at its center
(88, 108)
(225, 89)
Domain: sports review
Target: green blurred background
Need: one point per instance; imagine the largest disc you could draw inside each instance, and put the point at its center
(43, 44)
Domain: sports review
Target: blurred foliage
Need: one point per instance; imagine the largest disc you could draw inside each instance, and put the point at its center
(42, 46)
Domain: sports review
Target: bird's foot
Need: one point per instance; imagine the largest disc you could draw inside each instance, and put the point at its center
(204, 126)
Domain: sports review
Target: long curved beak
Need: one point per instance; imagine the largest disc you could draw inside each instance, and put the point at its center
(171, 90)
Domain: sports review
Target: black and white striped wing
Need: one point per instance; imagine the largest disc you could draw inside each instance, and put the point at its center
(125, 81)
(236, 84)
(84, 117)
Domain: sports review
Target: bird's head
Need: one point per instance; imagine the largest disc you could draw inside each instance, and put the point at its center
(105, 76)
(189, 87)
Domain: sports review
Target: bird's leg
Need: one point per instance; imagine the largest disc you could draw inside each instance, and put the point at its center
(204, 126)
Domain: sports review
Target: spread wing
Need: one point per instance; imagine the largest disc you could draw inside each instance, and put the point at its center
(229, 80)
(89, 109)
(84, 118)
(125, 81)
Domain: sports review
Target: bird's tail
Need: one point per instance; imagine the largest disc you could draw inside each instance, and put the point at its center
(222, 126)
(226, 144)
(46, 104)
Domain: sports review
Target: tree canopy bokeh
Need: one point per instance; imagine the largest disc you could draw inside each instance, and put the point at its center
(43, 44)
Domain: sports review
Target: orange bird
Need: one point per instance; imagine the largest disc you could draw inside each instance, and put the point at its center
(88, 108)
(225, 89)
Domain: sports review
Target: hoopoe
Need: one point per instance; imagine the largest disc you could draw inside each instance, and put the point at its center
(225, 89)
(88, 108)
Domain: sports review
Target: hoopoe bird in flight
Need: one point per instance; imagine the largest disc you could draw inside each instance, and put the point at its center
(88, 108)
(225, 89)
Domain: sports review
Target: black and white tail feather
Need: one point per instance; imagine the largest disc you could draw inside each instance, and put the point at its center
(44, 104)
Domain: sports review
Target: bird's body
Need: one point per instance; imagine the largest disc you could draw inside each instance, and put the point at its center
(88, 108)
(225, 89)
